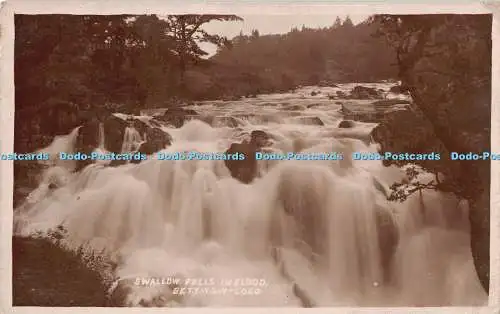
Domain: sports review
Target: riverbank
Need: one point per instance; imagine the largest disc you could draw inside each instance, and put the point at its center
(44, 274)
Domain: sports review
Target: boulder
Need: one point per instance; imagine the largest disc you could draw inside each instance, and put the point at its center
(226, 121)
(114, 131)
(243, 170)
(397, 89)
(326, 83)
(363, 92)
(156, 140)
(341, 94)
(309, 120)
(260, 139)
(116, 163)
(246, 170)
(177, 116)
(293, 107)
(158, 137)
(346, 124)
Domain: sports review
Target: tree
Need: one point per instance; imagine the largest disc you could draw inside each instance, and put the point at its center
(255, 34)
(186, 31)
(348, 22)
(338, 23)
(445, 63)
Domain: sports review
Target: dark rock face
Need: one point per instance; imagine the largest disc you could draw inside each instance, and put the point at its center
(147, 149)
(177, 116)
(311, 120)
(140, 126)
(362, 92)
(243, 170)
(116, 163)
(114, 130)
(156, 140)
(260, 139)
(326, 83)
(346, 124)
(397, 89)
(87, 140)
(27, 175)
(246, 170)
(341, 94)
(227, 121)
(159, 137)
(293, 107)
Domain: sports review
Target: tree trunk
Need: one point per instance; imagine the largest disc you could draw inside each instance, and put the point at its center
(479, 218)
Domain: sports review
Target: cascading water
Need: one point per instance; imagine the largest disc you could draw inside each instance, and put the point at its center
(101, 137)
(306, 233)
(132, 139)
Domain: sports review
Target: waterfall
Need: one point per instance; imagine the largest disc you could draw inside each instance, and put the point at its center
(101, 145)
(304, 233)
(132, 140)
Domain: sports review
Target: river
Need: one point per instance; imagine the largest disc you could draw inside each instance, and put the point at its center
(304, 233)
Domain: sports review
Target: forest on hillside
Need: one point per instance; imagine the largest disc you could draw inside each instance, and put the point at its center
(256, 64)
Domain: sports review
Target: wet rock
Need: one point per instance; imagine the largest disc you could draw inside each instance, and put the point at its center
(114, 131)
(227, 121)
(243, 170)
(367, 111)
(231, 98)
(177, 116)
(146, 149)
(346, 124)
(326, 83)
(156, 140)
(88, 136)
(154, 123)
(363, 92)
(310, 120)
(27, 176)
(390, 103)
(87, 140)
(158, 137)
(397, 89)
(341, 94)
(140, 126)
(116, 163)
(260, 139)
(246, 170)
(293, 107)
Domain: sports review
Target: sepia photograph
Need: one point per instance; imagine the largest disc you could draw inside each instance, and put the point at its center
(218, 160)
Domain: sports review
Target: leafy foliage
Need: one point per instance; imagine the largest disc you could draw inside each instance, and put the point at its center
(445, 63)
